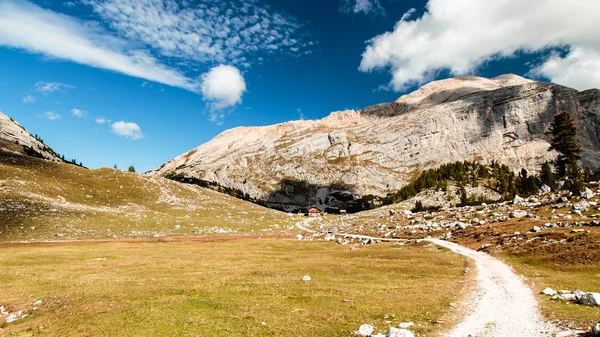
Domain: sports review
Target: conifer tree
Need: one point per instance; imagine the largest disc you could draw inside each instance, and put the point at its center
(565, 141)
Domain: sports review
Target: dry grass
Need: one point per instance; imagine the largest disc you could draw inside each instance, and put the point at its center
(41, 200)
(225, 288)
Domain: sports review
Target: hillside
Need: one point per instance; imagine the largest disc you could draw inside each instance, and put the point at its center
(377, 150)
(45, 200)
(15, 138)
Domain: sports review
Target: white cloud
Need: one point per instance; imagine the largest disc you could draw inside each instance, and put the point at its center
(28, 99)
(223, 86)
(48, 87)
(231, 32)
(127, 129)
(29, 27)
(53, 116)
(362, 7)
(77, 112)
(102, 120)
(461, 35)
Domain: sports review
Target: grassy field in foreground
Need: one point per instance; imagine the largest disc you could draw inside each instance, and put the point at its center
(42, 200)
(225, 288)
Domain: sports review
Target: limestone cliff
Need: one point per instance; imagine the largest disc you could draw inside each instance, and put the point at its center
(15, 138)
(376, 150)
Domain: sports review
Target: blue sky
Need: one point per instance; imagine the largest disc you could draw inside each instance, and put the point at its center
(140, 82)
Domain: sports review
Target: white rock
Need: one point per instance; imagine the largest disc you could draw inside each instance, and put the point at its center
(299, 237)
(545, 189)
(517, 200)
(306, 278)
(38, 302)
(11, 318)
(406, 325)
(587, 193)
(518, 214)
(395, 332)
(596, 329)
(549, 292)
(536, 229)
(365, 330)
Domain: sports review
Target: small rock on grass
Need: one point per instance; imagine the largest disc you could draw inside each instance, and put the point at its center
(549, 292)
(395, 332)
(306, 278)
(365, 330)
(406, 325)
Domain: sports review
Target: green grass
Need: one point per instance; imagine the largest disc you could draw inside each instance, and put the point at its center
(225, 288)
(562, 277)
(40, 199)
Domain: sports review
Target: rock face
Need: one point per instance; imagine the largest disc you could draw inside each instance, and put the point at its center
(379, 149)
(15, 138)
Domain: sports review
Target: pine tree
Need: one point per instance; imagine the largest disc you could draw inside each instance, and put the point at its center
(565, 142)
(131, 169)
(575, 175)
(547, 176)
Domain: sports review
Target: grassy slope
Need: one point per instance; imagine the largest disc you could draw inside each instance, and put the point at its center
(41, 200)
(210, 289)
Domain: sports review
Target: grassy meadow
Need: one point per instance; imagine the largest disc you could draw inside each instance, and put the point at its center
(245, 287)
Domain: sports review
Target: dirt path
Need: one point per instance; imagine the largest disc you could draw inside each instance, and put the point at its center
(502, 304)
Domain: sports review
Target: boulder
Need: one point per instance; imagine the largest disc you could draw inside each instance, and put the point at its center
(365, 330)
(536, 229)
(517, 200)
(518, 214)
(596, 329)
(587, 193)
(299, 237)
(545, 189)
(395, 332)
(591, 299)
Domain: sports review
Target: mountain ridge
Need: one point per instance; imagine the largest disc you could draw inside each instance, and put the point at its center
(376, 150)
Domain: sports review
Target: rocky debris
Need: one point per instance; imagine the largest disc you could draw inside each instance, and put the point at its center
(375, 150)
(577, 296)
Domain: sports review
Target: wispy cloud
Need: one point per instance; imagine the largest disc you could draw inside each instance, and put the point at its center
(49, 87)
(102, 120)
(78, 112)
(234, 32)
(127, 129)
(368, 7)
(50, 115)
(28, 99)
(26, 26)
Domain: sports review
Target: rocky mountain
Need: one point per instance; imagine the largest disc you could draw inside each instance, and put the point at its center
(349, 154)
(15, 138)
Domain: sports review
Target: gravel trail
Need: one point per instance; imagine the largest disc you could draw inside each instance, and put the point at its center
(503, 305)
